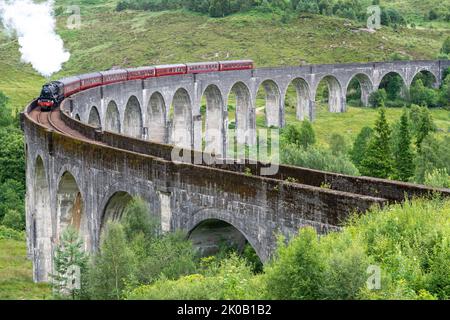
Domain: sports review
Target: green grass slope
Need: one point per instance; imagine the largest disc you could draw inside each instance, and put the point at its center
(16, 273)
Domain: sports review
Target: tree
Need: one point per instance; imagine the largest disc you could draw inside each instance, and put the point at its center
(360, 146)
(307, 135)
(378, 160)
(446, 46)
(298, 271)
(422, 95)
(5, 113)
(404, 157)
(423, 124)
(112, 265)
(377, 98)
(71, 266)
(338, 145)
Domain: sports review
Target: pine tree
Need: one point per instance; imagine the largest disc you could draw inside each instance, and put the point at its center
(404, 157)
(70, 265)
(360, 146)
(307, 136)
(378, 159)
(424, 127)
(112, 265)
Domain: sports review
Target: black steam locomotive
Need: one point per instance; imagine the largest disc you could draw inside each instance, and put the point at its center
(52, 94)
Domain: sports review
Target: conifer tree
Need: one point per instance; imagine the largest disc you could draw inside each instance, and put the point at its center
(404, 157)
(378, 160)
(70, 265)
(360, 146)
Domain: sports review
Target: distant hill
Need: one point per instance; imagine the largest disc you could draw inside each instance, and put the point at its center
(130, 38)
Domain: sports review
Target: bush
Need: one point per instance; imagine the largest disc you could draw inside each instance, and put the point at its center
(409, 242)
(438, 178)
(231, 279)
(317, 158)
(377, 98)
(14, 219)
(11, 234)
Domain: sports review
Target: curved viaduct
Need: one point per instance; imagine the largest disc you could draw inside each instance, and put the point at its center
(86, 159)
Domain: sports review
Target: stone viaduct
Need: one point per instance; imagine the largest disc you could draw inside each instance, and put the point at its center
(110, 143)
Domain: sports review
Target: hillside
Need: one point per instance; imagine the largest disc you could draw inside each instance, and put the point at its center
(108, 38)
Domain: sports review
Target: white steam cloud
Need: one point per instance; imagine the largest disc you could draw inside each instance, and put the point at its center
(34, 26)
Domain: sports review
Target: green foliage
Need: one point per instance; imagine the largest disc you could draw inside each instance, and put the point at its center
(298, 271)
(71, 262)
(393, 84)
(360, 146)
(14, 219)
(446, 46)
(231, 278)
(438, 178)
(12, 199)
(422, 95)
(378, 160)
(303, 136)
(317, 158)
(422, 124)
(11, 234)
(111, 265)
(338, 144)
(434, 154)
(403, 154)
(408, 242)
(377, 98)
(137, 221)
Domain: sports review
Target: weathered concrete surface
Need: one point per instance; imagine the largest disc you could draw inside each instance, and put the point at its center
(83, 183)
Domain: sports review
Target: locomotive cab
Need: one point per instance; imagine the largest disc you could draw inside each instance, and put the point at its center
(51, 95)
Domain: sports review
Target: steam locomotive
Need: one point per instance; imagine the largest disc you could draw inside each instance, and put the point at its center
(54, 92)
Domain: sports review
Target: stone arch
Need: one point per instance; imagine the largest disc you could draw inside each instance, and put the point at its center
(41, 223)
(112, 117)
(132, 124)
(70, 207)
(303, 107)
(209, 234)
(401, 91)
(272, 103)
(365, 84)
(156, 111)
(94, 117)
(429, 78)
(214, 122)
(336, 100)
(115, 207)
(180, 115)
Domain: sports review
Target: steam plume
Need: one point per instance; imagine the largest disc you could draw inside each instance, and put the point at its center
(34, 25)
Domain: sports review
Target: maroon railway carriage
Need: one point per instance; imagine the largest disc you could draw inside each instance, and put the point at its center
(71, 85)
(170, 70)
(202, 67)
(236, 65)
(91, 80)
(113, 76)
(141, 73)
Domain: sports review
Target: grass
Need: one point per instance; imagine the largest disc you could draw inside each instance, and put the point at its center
(16, 274)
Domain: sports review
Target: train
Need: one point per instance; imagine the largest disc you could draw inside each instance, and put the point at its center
(54, 92)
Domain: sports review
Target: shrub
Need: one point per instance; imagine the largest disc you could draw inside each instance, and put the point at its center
(231, 279)
(377, 98)
(11, 234)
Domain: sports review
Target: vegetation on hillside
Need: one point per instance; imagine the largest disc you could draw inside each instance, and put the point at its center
(405, 245)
